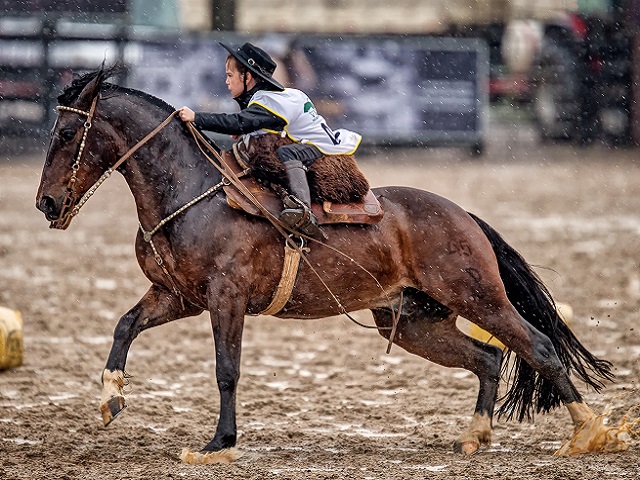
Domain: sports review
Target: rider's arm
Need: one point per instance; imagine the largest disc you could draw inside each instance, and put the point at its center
(249, 120)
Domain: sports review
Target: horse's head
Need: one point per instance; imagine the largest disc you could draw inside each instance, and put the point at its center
(80, 150)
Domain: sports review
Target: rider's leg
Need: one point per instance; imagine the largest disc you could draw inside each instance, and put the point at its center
(298, 214)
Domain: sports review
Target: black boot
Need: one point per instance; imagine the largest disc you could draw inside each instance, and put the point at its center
(297, 213)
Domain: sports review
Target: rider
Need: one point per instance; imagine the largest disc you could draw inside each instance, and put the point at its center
(267, 107)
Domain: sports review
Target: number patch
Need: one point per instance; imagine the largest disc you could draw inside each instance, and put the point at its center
(330, 133)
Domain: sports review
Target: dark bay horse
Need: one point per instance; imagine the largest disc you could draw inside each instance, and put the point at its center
(433, 261)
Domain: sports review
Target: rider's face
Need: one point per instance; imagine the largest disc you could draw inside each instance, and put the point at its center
(235, 80)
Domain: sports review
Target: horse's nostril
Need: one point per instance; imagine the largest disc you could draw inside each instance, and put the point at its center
(47, 205)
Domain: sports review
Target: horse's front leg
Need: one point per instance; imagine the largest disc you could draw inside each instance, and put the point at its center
(227, 320)
(157, 306)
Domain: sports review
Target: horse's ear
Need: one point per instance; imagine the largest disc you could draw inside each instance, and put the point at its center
(90, 90)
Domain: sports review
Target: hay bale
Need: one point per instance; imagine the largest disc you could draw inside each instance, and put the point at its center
(11, 344)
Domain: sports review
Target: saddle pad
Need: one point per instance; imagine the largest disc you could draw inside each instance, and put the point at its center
(367, 212)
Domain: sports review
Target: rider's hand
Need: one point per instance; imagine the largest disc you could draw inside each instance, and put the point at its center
(187, 115)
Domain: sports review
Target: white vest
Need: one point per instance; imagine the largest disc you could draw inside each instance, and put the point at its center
(303, 123)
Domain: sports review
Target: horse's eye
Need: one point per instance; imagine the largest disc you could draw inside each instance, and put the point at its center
(67, 134)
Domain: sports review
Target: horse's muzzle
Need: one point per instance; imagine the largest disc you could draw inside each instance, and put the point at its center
(49, 207)
(59, 214)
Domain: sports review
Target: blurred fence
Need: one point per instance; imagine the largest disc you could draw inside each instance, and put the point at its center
(392, 89)
(38, 57)
(41, 43)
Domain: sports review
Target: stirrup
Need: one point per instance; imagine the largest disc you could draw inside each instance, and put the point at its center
(300, 219)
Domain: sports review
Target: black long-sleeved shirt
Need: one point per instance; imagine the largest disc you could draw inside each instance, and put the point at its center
(249, 119)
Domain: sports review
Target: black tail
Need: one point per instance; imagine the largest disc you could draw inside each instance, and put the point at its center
(528, 390)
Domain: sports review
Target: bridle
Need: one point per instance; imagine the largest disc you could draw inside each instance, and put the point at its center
(69, 210)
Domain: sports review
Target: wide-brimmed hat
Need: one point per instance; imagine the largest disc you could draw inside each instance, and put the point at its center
(257, 61)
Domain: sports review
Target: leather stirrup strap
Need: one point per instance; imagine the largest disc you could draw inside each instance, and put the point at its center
(290, 270)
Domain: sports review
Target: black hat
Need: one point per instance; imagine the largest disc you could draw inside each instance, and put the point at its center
(257, 61)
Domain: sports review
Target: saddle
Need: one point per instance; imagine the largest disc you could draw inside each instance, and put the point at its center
(364, 210)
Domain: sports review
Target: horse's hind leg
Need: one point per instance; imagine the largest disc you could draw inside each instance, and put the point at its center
(157, 306)
(437, 339)
(501, 319)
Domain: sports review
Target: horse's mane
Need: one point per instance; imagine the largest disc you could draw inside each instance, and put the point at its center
(72, 92)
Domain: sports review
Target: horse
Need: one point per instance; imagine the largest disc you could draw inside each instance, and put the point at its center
(425, 263)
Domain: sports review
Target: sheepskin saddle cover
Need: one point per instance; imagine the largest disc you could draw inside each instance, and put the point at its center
(332, 178)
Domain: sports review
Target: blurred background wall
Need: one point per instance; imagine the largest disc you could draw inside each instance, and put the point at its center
(568, 66)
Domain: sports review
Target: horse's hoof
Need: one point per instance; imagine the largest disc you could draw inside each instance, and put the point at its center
(468, 447)
(111, 409)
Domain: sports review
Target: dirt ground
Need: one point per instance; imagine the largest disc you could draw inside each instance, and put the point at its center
(317, 399)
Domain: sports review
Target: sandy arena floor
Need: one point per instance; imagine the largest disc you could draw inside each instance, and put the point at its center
(317, 399)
